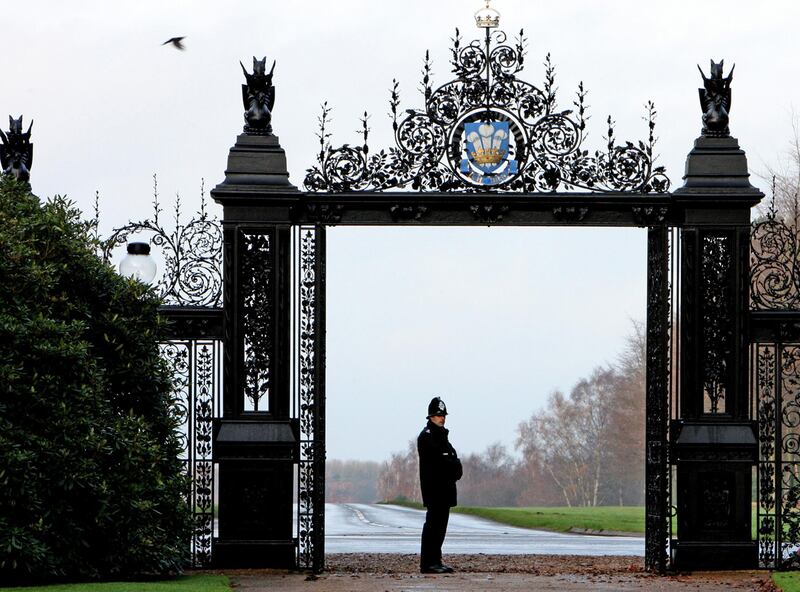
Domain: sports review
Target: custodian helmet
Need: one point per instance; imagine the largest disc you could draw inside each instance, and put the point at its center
(437, 407)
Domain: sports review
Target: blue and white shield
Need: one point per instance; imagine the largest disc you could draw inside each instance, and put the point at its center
(486, 143)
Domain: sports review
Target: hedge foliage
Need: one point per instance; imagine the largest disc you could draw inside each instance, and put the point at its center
(90, 481)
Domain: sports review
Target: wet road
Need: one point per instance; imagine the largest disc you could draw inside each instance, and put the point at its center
(370, 528)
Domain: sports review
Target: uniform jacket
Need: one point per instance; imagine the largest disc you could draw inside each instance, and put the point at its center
(439, 467)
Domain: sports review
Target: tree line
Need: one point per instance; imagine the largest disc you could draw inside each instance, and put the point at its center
(584, 448)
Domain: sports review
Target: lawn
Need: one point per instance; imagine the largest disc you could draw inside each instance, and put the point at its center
(563, 519)
(618, 518)
(193, 583)
(558, 519)
(787, 581)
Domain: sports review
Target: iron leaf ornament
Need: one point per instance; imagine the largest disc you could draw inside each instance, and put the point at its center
(192, 252)
(488, 130)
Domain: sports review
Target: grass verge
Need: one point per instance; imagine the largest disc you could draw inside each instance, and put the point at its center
(605, 518)
(557, 519)
(787, 581)
(193, 583)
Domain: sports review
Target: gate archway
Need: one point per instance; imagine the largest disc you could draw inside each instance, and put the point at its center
(487, 148)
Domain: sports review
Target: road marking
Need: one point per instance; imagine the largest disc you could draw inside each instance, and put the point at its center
(360, 515)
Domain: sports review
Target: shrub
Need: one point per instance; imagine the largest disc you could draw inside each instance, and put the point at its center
(90, 481)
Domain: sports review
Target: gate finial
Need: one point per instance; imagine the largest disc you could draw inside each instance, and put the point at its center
(715, 101)
(16, 151)
(487, 17)
(258, 96)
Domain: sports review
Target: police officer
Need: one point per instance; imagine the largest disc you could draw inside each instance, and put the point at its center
(439, 469)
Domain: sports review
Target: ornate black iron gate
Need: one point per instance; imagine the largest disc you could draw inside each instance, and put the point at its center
(775, 389)
(195, 353)
(191, 288)
(488, 149)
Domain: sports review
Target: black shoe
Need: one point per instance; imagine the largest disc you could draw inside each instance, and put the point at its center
(433, 569)
(446, 568)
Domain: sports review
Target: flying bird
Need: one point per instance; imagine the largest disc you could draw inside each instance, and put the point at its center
(176, 42)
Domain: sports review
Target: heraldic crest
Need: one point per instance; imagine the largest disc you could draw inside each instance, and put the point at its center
(487, 129)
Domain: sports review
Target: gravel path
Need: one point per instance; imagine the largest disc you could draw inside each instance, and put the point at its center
(384, 572)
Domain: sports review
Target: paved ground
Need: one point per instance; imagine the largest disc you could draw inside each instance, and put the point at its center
(371, 528)
(378, 572)
(497, 583)
(374, 549)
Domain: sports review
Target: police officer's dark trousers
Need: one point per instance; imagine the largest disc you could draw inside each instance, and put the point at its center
(433, 535)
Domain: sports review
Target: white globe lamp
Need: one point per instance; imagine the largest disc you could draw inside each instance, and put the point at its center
(138, 264)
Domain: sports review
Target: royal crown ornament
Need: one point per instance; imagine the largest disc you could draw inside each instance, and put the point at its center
(487, 144)
(491, 156)
(487, 17)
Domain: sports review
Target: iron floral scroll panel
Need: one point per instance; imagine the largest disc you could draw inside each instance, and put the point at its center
(197, 365)
(775, 287)
(488, 130)
(774, 265)
(310, 403)
(657, 475)
(717, 313)
(764, 388)
(191, 253)
(777, 389)
(256, 318)
(191, 279)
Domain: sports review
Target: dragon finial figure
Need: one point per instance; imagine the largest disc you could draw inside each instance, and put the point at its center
(715, 101)
(258, 96)
(16, 151)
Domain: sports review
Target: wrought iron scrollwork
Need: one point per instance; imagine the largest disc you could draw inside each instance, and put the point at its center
(775, 286)
(256, 318)
(657, 476)
(789, 447)
(765, 395)
(195, 367)
(192, 254)
(537, 148)
(717, 311)
(311, 401)
(192, 277)
(774, 265)
(777, 392)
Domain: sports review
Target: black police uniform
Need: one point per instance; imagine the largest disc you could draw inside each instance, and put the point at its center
(439, 469)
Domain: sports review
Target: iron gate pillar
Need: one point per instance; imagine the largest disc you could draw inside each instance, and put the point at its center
(714, 443)
(256, 442)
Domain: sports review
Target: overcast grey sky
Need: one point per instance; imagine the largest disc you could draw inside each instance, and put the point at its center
(490, 319)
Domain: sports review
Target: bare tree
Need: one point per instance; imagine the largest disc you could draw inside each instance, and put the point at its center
(627, 438)
(399, 477)
(537, 487)
(489, 478)
(585, 449)
(590, 444)
(351, 481)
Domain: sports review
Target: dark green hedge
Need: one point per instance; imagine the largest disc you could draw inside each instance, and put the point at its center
(90, 481)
